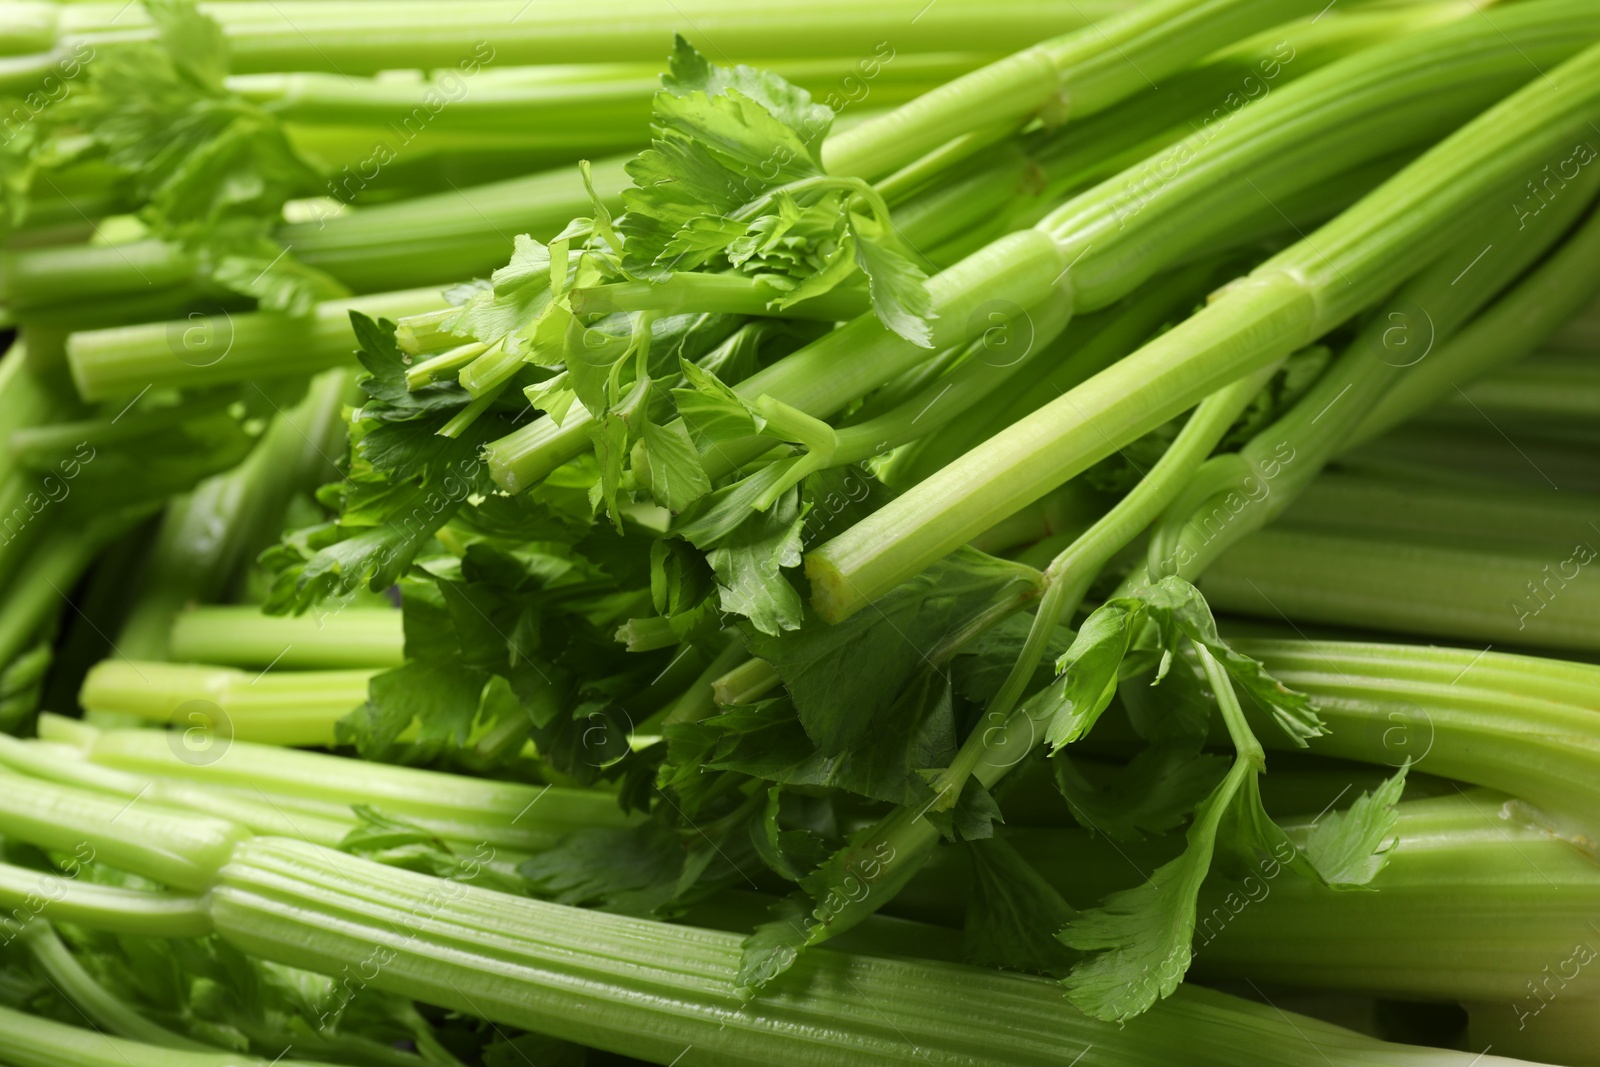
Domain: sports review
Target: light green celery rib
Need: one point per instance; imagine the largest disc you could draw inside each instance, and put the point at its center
(1236, 494)
(1502, 517)
(178, 849)
(1423, 450)
(274, 707)
(33, 1041)
(227, 348)
(1473, 905)
(1366, 106)
(1519, 724)
(1284, 304)
(986, 369)
(1552, 384)
(1074, 75)
(1464, 593)
(26, 893)
(424, 240)
(1086, 151)
(1515, 326)
(579, 108)
(352, 38)
(1094, 342)
(241, 636)
(35, 276)
(504, 814)
(745, 683)
(665, 993)
(103, 1011)
(254, 809)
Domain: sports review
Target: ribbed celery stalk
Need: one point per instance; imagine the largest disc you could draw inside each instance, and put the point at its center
(1240, 492)
(34, 1041)
(241, 636)
(507, 815)
(1515, 596)
(354, 38)
(666, 994)
(1286, 303)
(275, 707)
(1552, 384)
(1529, 898)
(1515, 326)
(1074, 75)
(1503, 517)
(23, 894)
(228, 348)
(642, 988)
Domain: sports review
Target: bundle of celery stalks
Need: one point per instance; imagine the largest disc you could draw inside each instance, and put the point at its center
(737, 533)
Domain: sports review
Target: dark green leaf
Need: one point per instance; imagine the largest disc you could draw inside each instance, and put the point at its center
(1013, 914)
(1154, 793)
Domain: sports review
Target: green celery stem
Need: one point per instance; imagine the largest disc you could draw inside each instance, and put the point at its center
(1460, 864)
(1518, 597)
(513, 816)
(228, 348)
(1283, 305)
(1077, 74)
(241, 636)
(25, 893)
(666, 993)
(274, 707)
(1554, 292)
(1024, 462)
(103, 1010)
(1517, 724)
(350, 39)
(34, 1041)
(178, 849)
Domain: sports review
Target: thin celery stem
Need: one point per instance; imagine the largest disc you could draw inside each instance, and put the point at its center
(1280, 461)
(122, 911)
(104, 1010)
(1514, 326)
(1093, 68)
(34, 1041)
(241, 636)
(227, 348)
